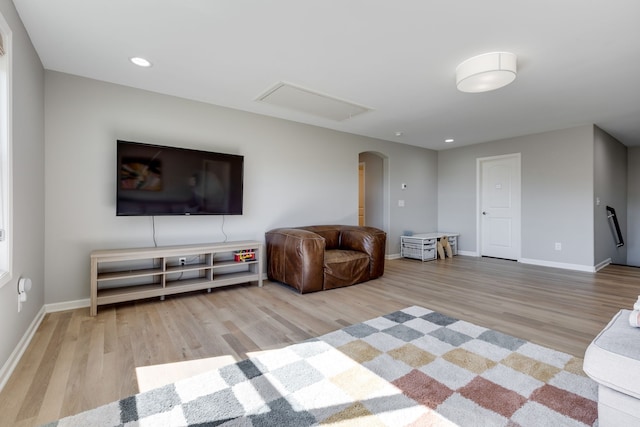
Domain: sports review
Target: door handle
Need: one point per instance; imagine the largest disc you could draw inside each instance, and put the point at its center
(484, 213)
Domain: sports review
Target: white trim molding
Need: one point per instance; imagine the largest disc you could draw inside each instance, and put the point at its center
(562, 265)
(468, 253)
(6, 156)
(599, 266)
(67, 305)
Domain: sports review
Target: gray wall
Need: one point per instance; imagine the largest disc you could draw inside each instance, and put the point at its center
(557, 192)
(28, 187)
(295, 174)
(420, 211)
(633, 207)
(610, 167)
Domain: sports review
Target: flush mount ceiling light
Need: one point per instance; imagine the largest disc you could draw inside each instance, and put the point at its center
(140, 62)
(486, 72)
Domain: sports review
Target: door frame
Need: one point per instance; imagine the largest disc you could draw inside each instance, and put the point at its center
(362, 191)
(480, 161)
(384, 192)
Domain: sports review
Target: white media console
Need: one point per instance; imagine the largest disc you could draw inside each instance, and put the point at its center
(119, 275)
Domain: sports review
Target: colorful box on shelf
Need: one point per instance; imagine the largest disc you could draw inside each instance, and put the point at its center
(244, 255)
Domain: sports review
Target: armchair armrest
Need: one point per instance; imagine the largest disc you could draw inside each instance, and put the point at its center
(296, 257)
(369, 240)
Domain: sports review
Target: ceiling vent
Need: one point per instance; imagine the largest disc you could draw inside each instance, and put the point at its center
(300, 99)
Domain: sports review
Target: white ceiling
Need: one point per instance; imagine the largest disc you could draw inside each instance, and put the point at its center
(578, 60)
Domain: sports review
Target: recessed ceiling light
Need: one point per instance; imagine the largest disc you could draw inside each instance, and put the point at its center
(140, 62)
(449, 140)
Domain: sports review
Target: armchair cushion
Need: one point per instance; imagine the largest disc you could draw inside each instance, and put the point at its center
(344, 268)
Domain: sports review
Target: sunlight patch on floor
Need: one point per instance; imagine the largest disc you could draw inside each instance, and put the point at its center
(154, 376)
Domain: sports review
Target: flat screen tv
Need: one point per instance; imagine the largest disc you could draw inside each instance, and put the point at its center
(159, 180)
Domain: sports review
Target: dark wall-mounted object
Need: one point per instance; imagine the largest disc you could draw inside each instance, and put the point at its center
(160, 180)
(611, 214)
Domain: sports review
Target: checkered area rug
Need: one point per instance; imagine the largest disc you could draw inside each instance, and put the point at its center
(414, 367)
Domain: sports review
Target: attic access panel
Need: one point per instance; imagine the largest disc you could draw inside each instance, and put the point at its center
(300, 99)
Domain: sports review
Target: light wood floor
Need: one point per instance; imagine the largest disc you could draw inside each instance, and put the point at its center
(77, 362)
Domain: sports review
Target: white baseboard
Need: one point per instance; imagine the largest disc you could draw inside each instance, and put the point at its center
(11, 363)
(392, 256)
(67, 305)
(599, 266)
(562, 265)
(468, 253)
(565, 266)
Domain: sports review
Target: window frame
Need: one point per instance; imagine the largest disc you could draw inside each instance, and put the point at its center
(6, 159)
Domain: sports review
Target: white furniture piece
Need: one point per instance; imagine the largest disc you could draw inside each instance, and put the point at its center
(119, 275)
(613, 361)
(423, 246)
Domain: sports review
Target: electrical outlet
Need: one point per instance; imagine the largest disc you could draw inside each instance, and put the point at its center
(182, 261)
(558, 246)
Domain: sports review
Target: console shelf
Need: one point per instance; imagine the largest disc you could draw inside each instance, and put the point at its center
(119, 275)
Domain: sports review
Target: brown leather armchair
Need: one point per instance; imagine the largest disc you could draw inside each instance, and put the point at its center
(322, 257)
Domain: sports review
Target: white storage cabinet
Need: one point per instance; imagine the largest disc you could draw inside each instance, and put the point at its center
(424, 246)
(418, 247)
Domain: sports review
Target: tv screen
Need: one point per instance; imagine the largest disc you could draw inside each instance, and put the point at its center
(159, 180)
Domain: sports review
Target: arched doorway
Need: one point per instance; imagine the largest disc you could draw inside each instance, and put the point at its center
(373, 190)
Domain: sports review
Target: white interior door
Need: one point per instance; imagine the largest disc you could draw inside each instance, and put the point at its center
(499, 197)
